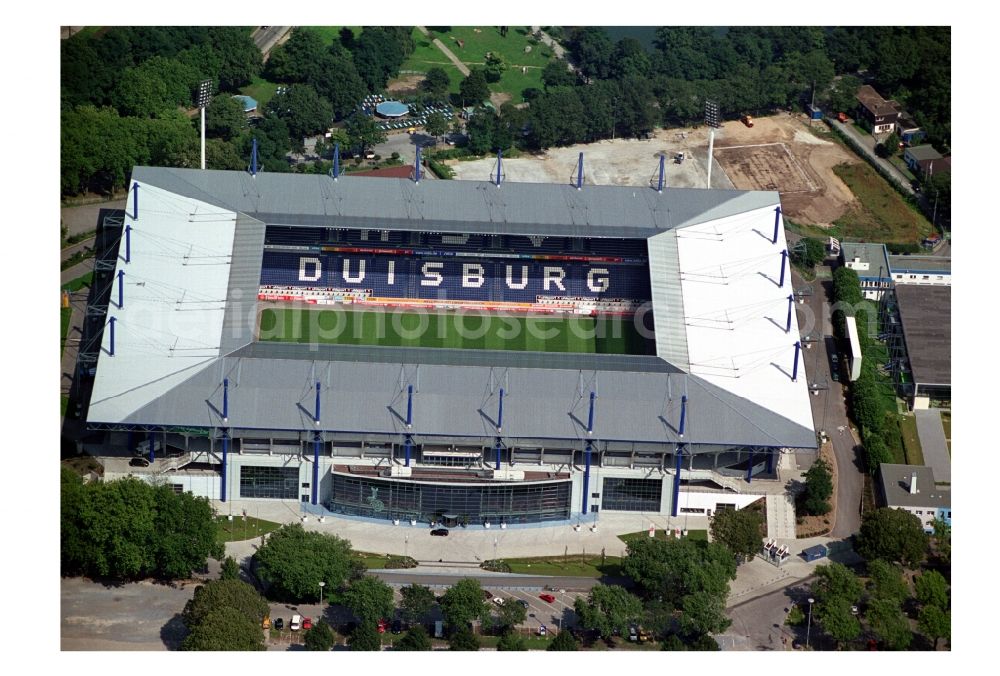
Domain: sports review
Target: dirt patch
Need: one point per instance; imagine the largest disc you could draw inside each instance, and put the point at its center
(784, 152)
(410, 83)
(499, 98)
(810, 526)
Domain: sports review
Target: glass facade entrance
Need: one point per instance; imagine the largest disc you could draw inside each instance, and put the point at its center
(631, 495)
(269, 482)
(461, 503)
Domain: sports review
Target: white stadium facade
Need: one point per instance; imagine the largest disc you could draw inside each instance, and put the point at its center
(176, 369)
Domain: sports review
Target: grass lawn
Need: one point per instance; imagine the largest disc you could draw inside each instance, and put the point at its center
(911, 441)
(261, 90)
(946, 423)
(884, 216)
(242, 529)
(574, 565)
(330, 34)
(662, 535)
(79, 282)
(473, 53)
(605, 335)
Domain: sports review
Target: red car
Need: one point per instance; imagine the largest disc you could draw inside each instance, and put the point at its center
(382, 624)
(548, 598)
(307, 623)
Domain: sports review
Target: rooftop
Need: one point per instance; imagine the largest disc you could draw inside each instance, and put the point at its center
(873, 254)
(925, 313)
(911, 264)
(874, 102)
(924, 152)
(895, 483)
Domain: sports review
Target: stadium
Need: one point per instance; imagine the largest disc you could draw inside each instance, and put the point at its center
(455, 352)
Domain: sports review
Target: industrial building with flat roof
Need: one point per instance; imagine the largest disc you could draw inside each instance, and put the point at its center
(428, 433)
(912, 488)
(918, 323)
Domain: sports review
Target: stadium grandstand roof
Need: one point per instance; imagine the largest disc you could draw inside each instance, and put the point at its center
(190, 312)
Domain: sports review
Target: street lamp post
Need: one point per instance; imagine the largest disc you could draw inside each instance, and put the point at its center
(321, 585)
(203, 96)
(809, 622)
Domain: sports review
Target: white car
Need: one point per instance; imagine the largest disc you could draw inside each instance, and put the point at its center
(498, 600)
(296, 623)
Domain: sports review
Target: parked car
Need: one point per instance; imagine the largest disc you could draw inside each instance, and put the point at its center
(835, 367)
(296, 623)
(542, 631)
(279, 623)
(487, 594)
(633, 633)
(499, 600)
(307, 623)
(397, 626)
(138, 462)
(548, 598)
(382, 626)
(266, 624)
(524, 603)
(440, 531)
(842, 117)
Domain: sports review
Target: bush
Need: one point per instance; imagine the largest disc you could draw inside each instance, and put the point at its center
(440, 170)
(496, 566)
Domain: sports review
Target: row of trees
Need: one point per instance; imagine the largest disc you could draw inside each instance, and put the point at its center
(129, 529)
(846, 606)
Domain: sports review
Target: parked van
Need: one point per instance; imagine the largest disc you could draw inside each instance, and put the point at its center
(438, 629)
(296, 623)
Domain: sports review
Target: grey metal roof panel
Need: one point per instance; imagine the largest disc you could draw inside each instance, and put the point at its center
(244, 282)
(925, 313)
(455, 206)
(664, 279)
(462, 401)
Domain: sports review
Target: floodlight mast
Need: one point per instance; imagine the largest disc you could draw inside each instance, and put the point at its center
(712, 120)
(204, 95)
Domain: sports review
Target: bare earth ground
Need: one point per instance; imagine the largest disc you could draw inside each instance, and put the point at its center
(778, 153)
(408, 84)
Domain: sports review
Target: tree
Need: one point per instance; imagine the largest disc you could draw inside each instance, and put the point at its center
(608, 608)
(463, 603)
(140, 94)
(370, 599)
(557, 73)
(836, 581)
(701, 642)
(889, 146)
(510, 614)
(363, 132)
(436, 82)
(415, 638)
(843, 93)
(893, 535)
(673, 642)
(934, 623)
(932, 589)
(463, 639)
(819, 488)
(379, 52)
(592, 51)
(474, 88)
(511, 640)
(225, 628)
(495, 67)
(886, 581)
(739, 530)
(294, 561)
(437, 124)
(704, 613)
(888, 623)
(225, 118)
(230, 569)
(303, 110)
(809, 252)
(563, 641)
(416, 603)
(365, 637)
(837, 618)
(557, 118)
(217, 594)
(876, 451)
(942, 541)
(320, 638)
(672, 569)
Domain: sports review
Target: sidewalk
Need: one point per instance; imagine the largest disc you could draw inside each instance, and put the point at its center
(462, 68)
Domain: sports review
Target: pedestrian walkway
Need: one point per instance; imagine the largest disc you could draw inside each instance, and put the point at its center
(780, 516)
(462, 68)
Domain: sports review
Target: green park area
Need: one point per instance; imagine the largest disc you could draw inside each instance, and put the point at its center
(236, 527)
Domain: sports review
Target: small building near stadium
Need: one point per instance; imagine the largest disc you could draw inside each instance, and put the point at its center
(224, 289)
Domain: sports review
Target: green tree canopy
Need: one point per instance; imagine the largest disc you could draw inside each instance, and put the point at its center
(511, 640)
(932, 589)
(739, 530)
(886, 581)
(224, 118)
(893, 535)
(608, 608)
(463, 639)
(836, 581)
(671, 569)
(363, 132)
(463, 603)
(129, 529)
(436, 82)
(557, 73)
(838, 619)
(370, 599)
(819, 488)
(474, 89)
(437, 124)
(225, 628)
(416, 603)
(495, 66)
(224, 593)
(934, 623)
(888, 624)
(557, 118)
(563, 641)
(704, 613)
(230, 569)
(303, 110)
(365, 637)
(415, 638)
(510, 614)
(320, 638)
(294, 561)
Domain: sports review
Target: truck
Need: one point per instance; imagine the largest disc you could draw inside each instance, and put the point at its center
(841, 117)
(747, 120)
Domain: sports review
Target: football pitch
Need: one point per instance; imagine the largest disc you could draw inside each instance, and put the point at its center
(464, 330)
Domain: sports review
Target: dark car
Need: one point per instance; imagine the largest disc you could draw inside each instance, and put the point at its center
(278, 623)
(138, 462)
(397, 626)
(523, 603)
(835, 367)
(487, 594)
(440, 531)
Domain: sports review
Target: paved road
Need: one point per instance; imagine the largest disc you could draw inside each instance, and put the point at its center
(267, 38)
(867, 142)
(829, 407)
(759, 624)
(491, 581)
